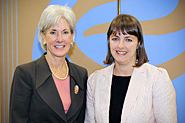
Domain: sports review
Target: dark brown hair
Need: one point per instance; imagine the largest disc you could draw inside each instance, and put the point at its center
(130, 25)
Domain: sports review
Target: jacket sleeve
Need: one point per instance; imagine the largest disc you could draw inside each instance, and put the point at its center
(164, 98)
(89, 114)
(20, 96)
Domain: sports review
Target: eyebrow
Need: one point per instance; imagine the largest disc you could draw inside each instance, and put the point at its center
(114, 36)
(128, 36)
(66, 29)
(53, 29)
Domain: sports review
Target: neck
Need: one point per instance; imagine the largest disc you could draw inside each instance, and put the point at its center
(58, 67)
(123, 70)
(55, 62)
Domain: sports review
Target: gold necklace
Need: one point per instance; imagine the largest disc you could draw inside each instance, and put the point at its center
(60, 77)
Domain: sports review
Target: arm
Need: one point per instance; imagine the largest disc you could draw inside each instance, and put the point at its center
(89, 114)
(164, 98)
(20, 97)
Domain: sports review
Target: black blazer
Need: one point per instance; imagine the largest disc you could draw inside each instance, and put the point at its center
(34, 97)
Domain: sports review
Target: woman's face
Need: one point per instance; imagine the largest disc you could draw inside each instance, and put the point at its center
(58, 39)
(123, 48)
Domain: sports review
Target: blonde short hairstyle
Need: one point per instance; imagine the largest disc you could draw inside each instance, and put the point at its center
(51, 16)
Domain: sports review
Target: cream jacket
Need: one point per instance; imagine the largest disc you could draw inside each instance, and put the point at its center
(150, 96)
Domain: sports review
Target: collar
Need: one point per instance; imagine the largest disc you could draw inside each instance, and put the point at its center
(43, 72)
(109, 70)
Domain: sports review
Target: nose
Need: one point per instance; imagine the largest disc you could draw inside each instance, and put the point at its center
(60, 37)
(121, 44)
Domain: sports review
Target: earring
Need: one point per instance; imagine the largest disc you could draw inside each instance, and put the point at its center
(71, 44)
(136, 61)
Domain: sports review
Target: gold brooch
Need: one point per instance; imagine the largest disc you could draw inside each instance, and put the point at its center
(76, 89)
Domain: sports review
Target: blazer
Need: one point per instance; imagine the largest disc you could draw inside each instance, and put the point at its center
(150, 96)
(34, 97)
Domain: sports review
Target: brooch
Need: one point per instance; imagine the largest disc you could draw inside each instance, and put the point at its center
(76, 89)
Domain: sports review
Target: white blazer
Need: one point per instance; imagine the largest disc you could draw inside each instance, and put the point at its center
(150, 96)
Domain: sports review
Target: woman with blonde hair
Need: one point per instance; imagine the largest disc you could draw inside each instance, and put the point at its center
(50, 89)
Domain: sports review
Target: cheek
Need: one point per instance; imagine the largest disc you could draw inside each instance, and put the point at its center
(69, 38)
(112, 46)
(132, 48)
(47, 38)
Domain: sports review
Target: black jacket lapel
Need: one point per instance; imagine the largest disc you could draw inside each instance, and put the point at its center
(46, 88)
(76, 99)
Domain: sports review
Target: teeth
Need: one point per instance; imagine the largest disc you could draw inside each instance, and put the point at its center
(121, 52)
(59, 46)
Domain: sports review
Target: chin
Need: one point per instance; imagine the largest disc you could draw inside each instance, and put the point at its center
(60, 55)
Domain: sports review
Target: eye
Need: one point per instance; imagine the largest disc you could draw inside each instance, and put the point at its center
(128, 39)
(66, 32)
(53, 32)
(114, 39)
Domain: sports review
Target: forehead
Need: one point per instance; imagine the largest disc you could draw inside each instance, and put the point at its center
(118, 33)
(124, 25)
(61, 23)
(124, 30)
(126, 35)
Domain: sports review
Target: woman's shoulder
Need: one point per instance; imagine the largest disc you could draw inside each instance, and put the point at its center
(102, 72)
(30, 67)
(26, 66)
(153, 68)
(77, 67)
(77, 70)
(156, 70)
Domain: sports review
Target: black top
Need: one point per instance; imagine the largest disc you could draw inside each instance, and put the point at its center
(118, 92)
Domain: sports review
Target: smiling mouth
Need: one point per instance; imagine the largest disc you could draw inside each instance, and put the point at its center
(122, 53)
(59, 46)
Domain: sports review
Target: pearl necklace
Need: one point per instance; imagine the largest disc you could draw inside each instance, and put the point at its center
(60, 77)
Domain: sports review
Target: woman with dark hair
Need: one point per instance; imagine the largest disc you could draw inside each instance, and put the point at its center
(129, 90)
